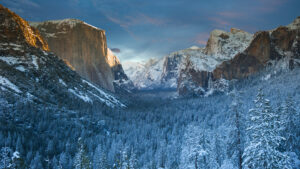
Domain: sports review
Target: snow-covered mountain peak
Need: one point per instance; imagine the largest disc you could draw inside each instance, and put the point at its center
(164, 72)
(194, 47)
(295, 24)
(227, 44)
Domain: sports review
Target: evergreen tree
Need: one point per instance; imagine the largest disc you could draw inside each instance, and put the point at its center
(36, 162)
(133, 160)
(99, 158)
(264, 130)
(81, 160)
(55, 164)
(235, 114)
(291, 118)
(63, 161)
(5, 158)
(17, 161)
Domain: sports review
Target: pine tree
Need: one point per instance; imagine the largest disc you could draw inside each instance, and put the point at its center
(17, 161)
(5, 158)
(236, 120)
(291, 118)
(264, 130)
(63, 161)
(133, 160)
(55, 164)
(81, 160)
(36, 162)
(99, 158)
(124, 159)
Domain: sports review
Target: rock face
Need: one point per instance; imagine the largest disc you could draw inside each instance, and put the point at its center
(16, 29)
(85, 50)
(29, 73)
(122, 84)
(188, 69)
(227, 55)
(266, 48)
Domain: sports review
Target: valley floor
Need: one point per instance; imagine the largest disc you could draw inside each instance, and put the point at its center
(152, 132)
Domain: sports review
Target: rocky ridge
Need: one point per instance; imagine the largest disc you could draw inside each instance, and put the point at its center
(166, 73)
(277, 48)
(29, 73)
(227, 56)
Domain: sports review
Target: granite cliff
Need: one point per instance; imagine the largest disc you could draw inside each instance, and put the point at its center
(83, 47)
(276, 48)
(30, 73)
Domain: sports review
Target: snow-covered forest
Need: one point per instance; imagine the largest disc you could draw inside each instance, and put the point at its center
(255, 125)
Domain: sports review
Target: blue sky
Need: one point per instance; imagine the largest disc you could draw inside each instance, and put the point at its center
(143, 29)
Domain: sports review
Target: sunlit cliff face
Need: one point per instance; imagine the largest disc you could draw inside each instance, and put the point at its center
(83, 48)
(112, 60)
(23, 31)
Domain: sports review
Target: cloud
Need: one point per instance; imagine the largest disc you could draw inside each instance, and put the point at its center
(201, 38)
(219, 22)
(116, 50)
(20, 3)
(230, 14)
(138, 19)
(268, 6)
(30, 3)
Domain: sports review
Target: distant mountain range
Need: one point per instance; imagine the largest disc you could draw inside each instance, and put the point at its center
(227, 56)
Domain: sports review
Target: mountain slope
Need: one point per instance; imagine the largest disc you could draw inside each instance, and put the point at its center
(84, 48)
(31, 74)
(167, 72)
(276, 48)
(227, 56)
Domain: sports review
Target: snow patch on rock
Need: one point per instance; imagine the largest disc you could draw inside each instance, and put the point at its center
(79, 94)
(6, 83)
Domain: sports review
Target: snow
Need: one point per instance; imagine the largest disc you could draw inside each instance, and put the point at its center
(79, 94)
(16, 155)
(267, 77)
(92, 26)
(295, 24)
(6, 83)
(109, 100)
(13, 60)
(45, 53)
(62, 82)
(21, 68)
(227, 164)
(34, 62)
(194, 47)
(60, 23)
(10, 60)
(8, 46)
(153, 74)
(133, 69)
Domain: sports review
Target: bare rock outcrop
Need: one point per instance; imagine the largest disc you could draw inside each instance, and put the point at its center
(81, 45)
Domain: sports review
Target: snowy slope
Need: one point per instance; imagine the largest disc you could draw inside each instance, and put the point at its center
(20, 75)
(29, 73)
(164, 72)
(221, 46)
(144, 75)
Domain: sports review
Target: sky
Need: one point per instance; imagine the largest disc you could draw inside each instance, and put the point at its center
(137, 30)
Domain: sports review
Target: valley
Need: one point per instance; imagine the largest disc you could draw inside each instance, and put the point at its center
(67, 101)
